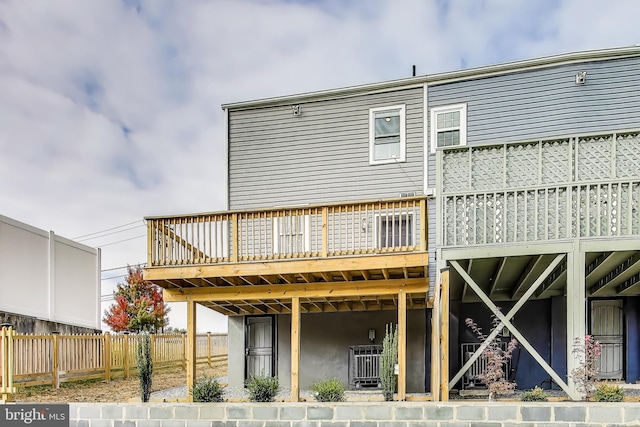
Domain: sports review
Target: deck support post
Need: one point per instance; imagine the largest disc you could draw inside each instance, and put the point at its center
(191, 346)
(402, 345)
(576, 308)
(435, 344)
(295, 349)
(444, 335)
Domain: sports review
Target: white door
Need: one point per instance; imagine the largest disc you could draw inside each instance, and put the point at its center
(607, 326)
(259, 346)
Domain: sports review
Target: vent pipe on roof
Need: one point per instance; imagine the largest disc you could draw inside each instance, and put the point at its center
(414, 71)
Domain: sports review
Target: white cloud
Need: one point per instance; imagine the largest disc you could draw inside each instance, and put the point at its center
(110, 111)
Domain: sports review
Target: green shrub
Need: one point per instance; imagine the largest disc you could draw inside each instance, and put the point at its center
(609, 393)
(262, 389)
(388, 361)
(207, 389)
(534, 395)
(331, 390)
(145, 367)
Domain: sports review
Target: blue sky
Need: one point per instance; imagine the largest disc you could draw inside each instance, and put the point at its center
(110, 110)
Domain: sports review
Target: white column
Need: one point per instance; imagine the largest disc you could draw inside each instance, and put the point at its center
(576, 305)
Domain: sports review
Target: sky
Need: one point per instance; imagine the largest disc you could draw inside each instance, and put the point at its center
(110, 109)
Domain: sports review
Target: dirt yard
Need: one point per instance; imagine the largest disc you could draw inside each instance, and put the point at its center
(118, 390)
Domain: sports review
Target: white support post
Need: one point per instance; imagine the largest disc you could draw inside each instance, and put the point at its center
(576, 306)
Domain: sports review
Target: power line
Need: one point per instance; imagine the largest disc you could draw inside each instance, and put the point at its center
(140, 264)
(108, 234)
(108, 229)
(115, 277)
(123, 240)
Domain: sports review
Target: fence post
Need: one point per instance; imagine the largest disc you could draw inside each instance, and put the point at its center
(153, 348)
(55, 366)
(209, 348)
(6, 359)
(184, 352)
(125, 356)
(107, 356)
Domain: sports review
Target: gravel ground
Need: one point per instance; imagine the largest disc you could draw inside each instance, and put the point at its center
(631, 390)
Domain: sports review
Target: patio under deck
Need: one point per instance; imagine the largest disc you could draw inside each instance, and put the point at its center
(361, 256)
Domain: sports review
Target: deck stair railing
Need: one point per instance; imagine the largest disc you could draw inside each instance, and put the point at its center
(384, 226)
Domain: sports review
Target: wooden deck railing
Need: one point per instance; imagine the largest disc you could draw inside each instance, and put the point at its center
(397, 225)
(52, 359)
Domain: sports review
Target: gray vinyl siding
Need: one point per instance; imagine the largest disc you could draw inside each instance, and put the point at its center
(540, 104)
(545, 103)
(321, 156)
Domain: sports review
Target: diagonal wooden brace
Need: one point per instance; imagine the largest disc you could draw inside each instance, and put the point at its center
(505, 320)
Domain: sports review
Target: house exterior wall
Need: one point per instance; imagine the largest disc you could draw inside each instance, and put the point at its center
(235, 350)
(544, 103)
(542, 334)
(322, 155)
(46, 276)
(324, 353)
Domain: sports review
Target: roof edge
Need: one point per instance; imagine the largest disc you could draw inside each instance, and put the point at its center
(470, 73)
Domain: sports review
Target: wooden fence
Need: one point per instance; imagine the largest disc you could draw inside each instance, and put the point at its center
(53, 359)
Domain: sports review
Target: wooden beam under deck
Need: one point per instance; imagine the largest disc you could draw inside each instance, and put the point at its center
(289, 267)
(304, 290)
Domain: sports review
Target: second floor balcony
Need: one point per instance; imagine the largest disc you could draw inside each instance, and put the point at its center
(358, 248)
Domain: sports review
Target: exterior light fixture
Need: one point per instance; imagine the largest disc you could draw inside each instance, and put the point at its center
(581, 77)
(372, 335)
(296, 110)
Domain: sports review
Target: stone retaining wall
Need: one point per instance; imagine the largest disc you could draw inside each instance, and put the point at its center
(379, 414)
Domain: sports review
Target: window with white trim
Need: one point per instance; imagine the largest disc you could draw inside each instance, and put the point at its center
(387, 134)
(291, 234)
(395, 230)
(448, 126)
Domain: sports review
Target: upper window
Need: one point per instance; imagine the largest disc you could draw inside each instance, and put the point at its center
(448, 126)
(387, 134)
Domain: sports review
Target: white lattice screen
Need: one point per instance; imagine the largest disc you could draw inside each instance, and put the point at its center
(546, 190)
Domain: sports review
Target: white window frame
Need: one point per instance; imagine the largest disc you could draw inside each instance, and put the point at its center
(306, 234)
(372, 134)
(400, 215)
(462, 108)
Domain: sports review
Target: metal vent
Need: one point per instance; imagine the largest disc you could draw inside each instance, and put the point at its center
(408, 194)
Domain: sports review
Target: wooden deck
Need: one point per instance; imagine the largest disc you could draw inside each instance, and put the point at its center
(337, 257)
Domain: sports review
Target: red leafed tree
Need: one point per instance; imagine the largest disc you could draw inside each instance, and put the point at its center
(138, 307)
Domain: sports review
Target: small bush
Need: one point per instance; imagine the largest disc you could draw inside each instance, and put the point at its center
(207, 390)
(262, 389)
(609, 393)
(331, 390)
(534, 395)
